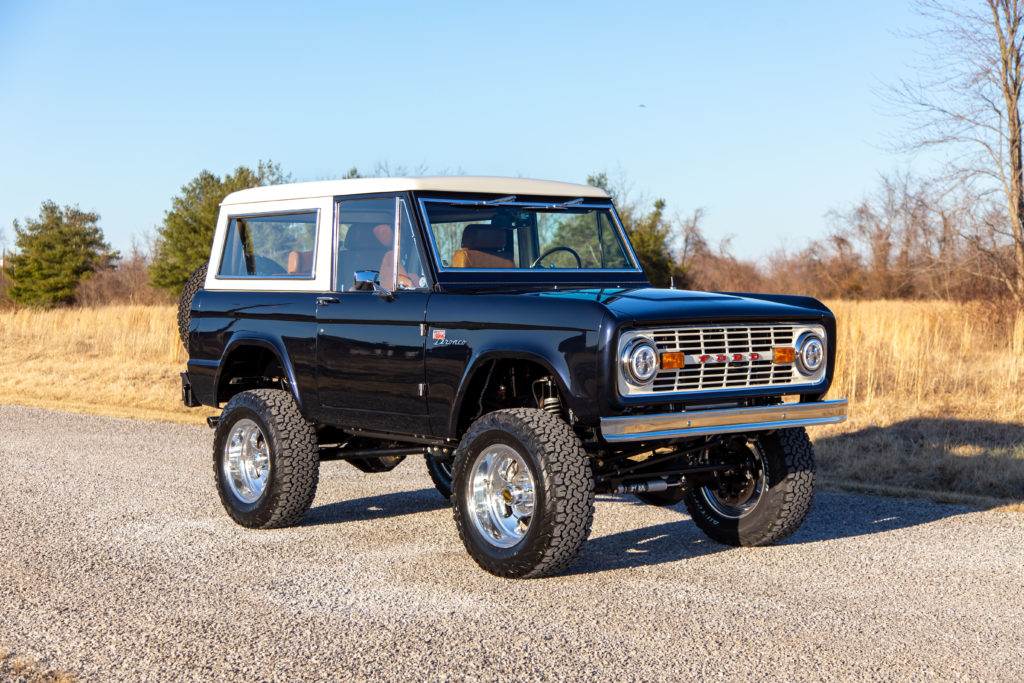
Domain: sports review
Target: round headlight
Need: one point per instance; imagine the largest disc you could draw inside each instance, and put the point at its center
(810, 354)
(640, 361)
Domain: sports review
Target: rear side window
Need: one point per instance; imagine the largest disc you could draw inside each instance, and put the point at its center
(280, 245)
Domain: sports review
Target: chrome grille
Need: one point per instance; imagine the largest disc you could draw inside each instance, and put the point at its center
(725, 340)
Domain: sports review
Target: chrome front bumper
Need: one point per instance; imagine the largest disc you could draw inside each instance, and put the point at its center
(704, 422)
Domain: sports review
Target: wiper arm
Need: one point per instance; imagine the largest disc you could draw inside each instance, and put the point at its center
(528, 206)
(490, 202)
(547, 207)
(565, 205)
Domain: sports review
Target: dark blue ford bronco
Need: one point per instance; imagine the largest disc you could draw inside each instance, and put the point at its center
(503, 329)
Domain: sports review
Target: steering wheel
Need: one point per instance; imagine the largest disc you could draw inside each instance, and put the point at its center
(552, 250)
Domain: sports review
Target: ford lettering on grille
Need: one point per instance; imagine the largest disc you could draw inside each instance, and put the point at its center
(723, 358)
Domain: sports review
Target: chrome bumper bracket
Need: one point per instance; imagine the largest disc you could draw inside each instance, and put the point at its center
(706, 422)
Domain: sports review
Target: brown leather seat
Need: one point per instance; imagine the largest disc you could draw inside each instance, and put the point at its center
(482, 247)
(300, 263)
(387, 265)
(365, 244)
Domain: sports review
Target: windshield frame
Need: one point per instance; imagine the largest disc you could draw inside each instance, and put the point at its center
(536, 203)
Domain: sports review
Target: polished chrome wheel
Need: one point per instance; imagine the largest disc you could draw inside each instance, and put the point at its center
(738, 491)
(246, 461)
(501, 495)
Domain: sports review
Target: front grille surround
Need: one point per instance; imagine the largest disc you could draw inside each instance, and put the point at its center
(700, 340)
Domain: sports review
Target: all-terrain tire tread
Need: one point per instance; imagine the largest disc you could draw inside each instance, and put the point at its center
(297, 458)
(192, 285)
(568, 481)
(442, 483)
(791, 478)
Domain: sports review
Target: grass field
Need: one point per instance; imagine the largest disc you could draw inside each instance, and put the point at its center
(118, 360)
(935, 388)
(936, 401)
(14, 668)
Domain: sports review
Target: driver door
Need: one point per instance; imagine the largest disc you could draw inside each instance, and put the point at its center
(369, 346)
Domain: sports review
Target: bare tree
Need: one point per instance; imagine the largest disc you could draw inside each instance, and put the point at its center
(968, 102)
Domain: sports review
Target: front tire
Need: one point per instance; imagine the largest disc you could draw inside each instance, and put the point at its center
(266, 461)
(763, 499)
(523, 493)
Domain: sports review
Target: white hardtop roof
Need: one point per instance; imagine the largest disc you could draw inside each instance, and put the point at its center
(469, 184)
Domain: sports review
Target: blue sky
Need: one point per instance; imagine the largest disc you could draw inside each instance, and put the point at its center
(764, 114)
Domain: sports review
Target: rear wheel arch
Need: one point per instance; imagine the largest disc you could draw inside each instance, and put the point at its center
(253, 362)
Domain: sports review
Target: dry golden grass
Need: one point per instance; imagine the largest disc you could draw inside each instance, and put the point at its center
(116, 360)
(28, 670)
(934, 387)
(936, 404)
(931, 358)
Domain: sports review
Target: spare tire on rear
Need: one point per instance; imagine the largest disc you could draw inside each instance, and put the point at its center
(193, 284)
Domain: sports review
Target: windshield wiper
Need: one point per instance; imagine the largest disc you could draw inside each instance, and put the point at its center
(526, 206)
(548, 207)
(565, 205)
(490, 202)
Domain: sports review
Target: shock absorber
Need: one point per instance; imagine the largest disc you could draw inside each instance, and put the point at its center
(551, 404)
(547, 397)
(651, 486)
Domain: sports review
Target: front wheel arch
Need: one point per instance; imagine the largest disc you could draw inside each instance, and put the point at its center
(463, 414)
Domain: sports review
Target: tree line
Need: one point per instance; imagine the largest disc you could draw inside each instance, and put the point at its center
(911, 238)
(956, 235)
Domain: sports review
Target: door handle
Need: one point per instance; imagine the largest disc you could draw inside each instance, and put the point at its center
(324, 300)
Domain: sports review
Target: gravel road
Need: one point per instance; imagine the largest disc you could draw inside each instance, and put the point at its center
(117, 563)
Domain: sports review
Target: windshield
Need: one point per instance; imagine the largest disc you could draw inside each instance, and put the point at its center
(516, 235)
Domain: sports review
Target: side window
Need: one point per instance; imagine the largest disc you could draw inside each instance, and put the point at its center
(410, 266)
(280, 245)
(366, 236)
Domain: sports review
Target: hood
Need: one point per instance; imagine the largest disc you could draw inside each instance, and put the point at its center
(650, 305)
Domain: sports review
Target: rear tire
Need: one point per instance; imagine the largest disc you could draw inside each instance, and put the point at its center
(440, 471)
(763, 504)
(193, 284)
(266, 461)
(523, 493)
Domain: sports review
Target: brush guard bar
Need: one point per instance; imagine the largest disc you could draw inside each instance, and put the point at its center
(728, 421)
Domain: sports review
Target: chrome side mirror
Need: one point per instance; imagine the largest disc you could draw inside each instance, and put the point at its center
(370, 279)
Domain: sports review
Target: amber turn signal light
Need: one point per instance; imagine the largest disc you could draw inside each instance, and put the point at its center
(785, 355)
(673, 361)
